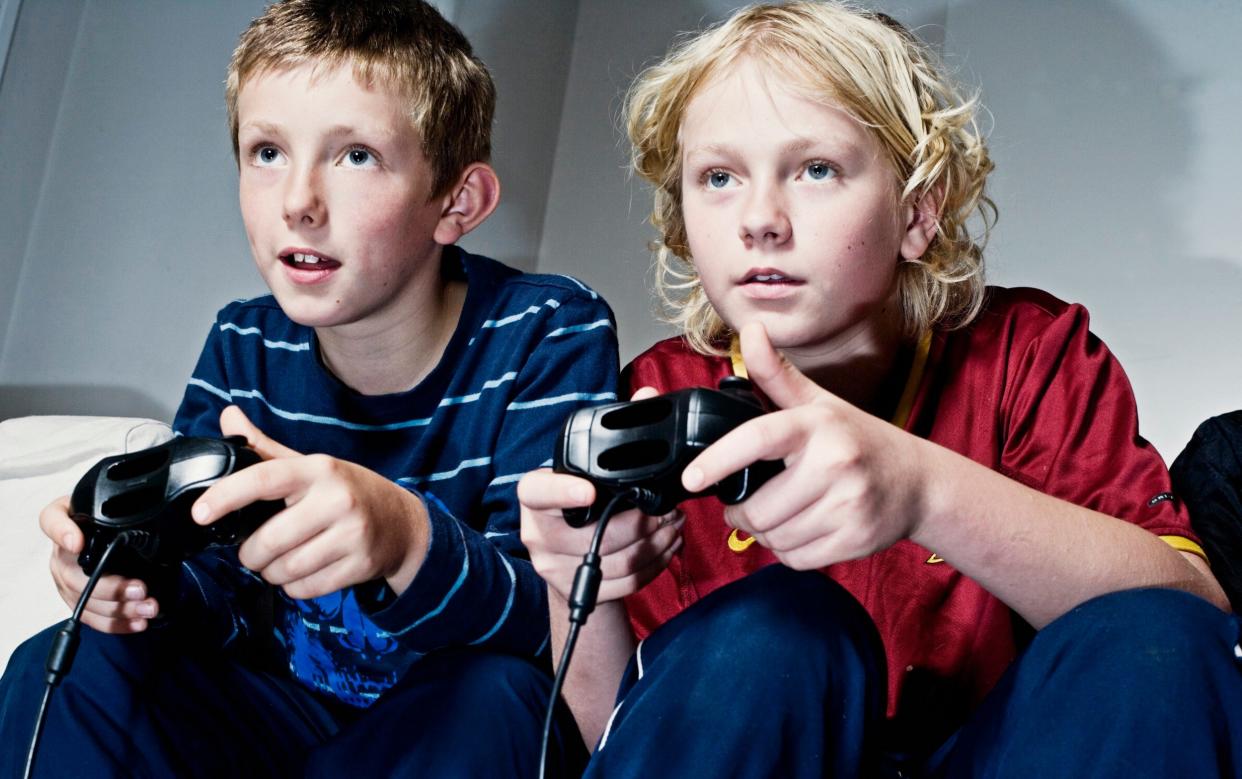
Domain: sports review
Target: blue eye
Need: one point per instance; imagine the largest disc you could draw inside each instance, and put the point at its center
(818, 171)
(359, 158)
(718, 179)
(266, 155)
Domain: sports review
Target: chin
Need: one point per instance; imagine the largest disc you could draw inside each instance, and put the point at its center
(310, 313)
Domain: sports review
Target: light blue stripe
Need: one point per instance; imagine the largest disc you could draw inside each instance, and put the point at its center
(461, 579)
(571, 397)
(581, 286)
(508, 604)
(193, 382)
(477, 462)
(472, 397)
(300, 417)
(543, 644)
(579, 328)
(509, 479)
(508, 320)
(302, 347)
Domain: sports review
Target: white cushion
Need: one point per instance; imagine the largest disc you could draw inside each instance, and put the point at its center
(42, 458)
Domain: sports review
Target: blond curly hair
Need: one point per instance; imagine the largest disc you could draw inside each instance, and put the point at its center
(879, 73)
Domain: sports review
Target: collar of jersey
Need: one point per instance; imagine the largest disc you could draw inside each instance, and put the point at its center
(902, 414)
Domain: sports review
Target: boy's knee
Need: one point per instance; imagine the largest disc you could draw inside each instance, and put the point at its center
(777, 615)
(1144, 633)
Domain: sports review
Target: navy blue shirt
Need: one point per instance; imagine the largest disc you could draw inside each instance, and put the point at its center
(528, 349)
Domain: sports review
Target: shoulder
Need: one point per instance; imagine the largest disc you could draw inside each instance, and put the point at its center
(1009, 308)
(1018, 320)
(510, 285)
(253, 312)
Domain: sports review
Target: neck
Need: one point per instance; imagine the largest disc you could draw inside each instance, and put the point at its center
(865, 366)
(389, 354)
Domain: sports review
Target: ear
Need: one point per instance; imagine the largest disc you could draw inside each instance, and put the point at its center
(922, 214)
(471, 200)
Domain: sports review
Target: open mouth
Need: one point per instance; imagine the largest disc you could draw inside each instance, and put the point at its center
(308, 261)
(766, 277)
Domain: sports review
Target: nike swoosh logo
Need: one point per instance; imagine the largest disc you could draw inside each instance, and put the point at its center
(739, 544)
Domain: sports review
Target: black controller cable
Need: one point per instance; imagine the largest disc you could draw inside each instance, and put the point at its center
(64, 646)
(581, 604)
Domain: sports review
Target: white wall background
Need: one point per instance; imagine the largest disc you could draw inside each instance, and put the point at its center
(1114, 134)
(120, 235)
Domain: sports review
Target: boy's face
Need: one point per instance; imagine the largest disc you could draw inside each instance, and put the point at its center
(791, 211)
(334, 192)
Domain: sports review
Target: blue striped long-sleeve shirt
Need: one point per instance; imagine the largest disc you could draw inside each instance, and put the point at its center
(527, 350)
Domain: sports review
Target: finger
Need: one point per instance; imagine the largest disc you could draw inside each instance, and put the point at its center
(233, 421)
(642, 393)
(772, 373)
(114, 625)
(769, 437)
(280, 479)
(321, 582)
(785, 496)
(56, 524)
(545, 491)
(637, 556)
(619, 588)
(822, 552)
(633, 527)
(122, 610)
(280, 535)
(305, 559)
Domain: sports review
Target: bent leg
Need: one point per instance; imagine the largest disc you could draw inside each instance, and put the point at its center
(146, 705)
(778, 674)
(1137, 683)
(456, 713)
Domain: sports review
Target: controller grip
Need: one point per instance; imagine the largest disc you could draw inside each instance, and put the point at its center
(746, 482)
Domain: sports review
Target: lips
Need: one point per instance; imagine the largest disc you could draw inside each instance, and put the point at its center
(306, 267)
(768, 283)
(768, 276)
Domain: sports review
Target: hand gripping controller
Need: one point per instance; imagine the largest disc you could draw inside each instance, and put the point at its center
(646, 444)
(148, 494)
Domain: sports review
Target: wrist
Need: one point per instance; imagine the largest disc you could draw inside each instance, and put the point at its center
(417, 541)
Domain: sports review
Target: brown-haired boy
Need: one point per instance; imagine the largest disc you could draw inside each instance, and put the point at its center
(397, 388)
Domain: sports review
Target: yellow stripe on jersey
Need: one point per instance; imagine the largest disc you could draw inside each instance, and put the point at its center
(735, 357)
(1183, 544)
(902, 414)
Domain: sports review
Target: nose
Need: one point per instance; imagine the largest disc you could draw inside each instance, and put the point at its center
(765, 219)
(303, 201)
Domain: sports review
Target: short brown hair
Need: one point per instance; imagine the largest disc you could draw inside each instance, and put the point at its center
(881, 75)
(405, 43)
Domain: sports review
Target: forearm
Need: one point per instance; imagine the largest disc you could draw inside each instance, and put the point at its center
(1040, 555)
(604, 647)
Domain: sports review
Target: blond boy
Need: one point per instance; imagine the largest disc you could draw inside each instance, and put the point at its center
(963, 467)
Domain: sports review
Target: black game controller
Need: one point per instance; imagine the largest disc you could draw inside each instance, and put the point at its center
(646, 444)
(147, 495)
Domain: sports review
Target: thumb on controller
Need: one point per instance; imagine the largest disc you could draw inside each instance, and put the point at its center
(233, 421)
(771, 372)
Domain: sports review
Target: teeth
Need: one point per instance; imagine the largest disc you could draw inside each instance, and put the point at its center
(308, 259)
(769, 277)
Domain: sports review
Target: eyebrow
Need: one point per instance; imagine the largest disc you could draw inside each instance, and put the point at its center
(726, 150)
(335, 131)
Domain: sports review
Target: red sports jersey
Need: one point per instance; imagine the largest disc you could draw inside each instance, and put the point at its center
(1025, 390)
